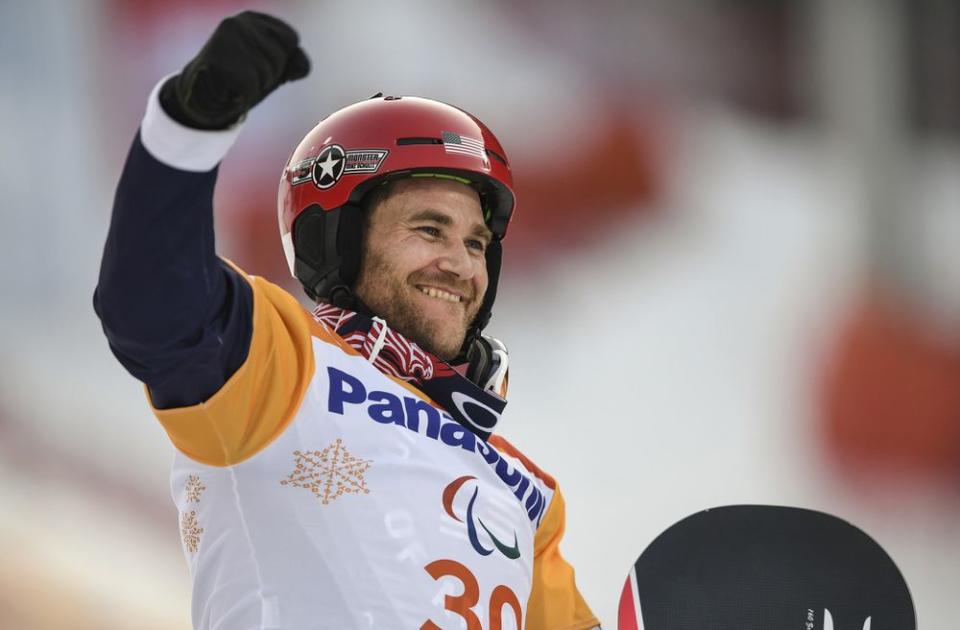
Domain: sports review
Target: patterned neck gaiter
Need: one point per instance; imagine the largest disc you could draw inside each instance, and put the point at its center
(393, 354)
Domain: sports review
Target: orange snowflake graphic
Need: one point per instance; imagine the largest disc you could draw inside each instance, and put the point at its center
(190, 531)
(329, 473)
(194, 489)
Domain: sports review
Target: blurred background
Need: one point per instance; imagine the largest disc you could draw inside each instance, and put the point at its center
(733, 275)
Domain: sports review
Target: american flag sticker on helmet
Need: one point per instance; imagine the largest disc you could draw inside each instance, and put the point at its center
(455, 143)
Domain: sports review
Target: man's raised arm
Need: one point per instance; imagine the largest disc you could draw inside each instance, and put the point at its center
(176, 316)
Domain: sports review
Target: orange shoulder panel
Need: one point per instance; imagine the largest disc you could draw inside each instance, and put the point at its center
(261, 398)
(555, 603)
(502, 445)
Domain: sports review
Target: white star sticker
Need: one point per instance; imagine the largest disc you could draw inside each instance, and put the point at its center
(327, 165)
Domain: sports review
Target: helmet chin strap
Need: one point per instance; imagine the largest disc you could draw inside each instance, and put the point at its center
(494, 256)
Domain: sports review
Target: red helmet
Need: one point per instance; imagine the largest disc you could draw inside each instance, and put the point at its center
(362, 146)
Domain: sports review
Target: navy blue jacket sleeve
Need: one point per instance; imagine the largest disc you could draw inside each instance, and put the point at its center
(177, 317)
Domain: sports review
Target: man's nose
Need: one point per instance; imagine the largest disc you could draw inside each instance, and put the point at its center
(456, 259)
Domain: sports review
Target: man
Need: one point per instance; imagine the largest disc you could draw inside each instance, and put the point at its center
(335, 469)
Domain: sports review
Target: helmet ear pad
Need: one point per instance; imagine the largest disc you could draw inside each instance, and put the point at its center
(328, 250)
(350, 237)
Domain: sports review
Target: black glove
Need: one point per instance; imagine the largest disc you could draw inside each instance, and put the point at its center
(247, 57)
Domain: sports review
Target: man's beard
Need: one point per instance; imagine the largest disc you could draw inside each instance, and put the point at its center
(388, 297)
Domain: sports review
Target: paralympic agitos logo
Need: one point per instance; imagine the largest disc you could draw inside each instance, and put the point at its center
(449, 494)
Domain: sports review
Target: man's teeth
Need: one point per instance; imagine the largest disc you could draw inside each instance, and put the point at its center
(437, 293)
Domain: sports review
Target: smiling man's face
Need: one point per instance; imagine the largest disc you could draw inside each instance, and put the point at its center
(424, 268)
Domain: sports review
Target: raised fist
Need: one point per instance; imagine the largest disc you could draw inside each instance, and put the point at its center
(247, 57)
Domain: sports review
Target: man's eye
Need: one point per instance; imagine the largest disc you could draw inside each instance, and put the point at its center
(429, 230)
(477, 245)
